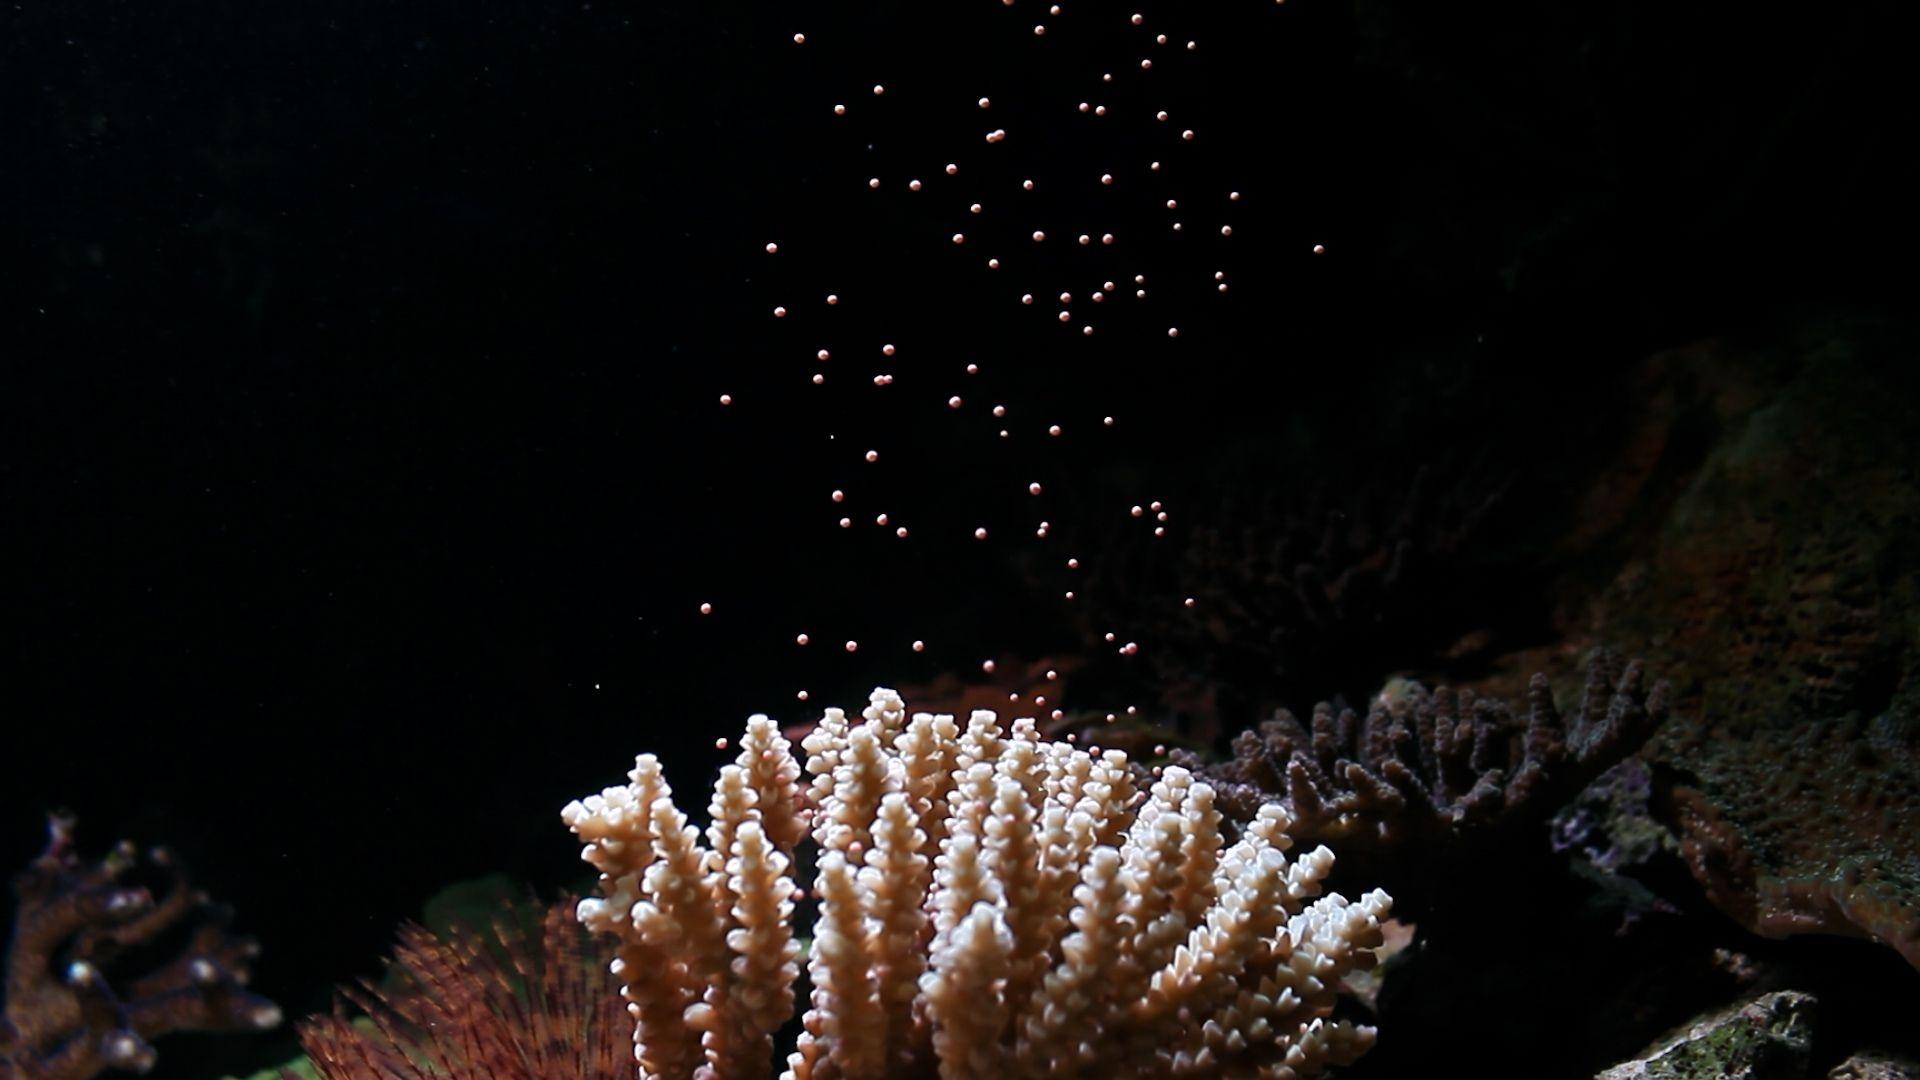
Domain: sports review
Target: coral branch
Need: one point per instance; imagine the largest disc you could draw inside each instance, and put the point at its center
(69, 1014)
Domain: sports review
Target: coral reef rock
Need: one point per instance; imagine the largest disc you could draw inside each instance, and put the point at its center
(1767, 1038)
(1756, 532)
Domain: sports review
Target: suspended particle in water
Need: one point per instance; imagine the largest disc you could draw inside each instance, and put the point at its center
(706, 609)
(800, 639)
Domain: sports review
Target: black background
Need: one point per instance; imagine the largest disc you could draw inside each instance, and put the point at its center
(362, 464)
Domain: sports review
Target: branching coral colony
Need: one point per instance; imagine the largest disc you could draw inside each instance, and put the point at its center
(989, 903)
(69, 1013)
(1425, 774)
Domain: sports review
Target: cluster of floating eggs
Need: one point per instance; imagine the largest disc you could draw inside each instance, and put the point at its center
(984, 201)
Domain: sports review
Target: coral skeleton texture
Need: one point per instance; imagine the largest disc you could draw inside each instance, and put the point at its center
(988, 903)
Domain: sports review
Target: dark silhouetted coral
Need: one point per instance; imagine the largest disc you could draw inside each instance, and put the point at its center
(526, 999)
(1434, 768)
(73, 1009)
(1302, 584)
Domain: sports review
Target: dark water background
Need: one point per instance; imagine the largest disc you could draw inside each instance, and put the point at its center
(360, 469)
